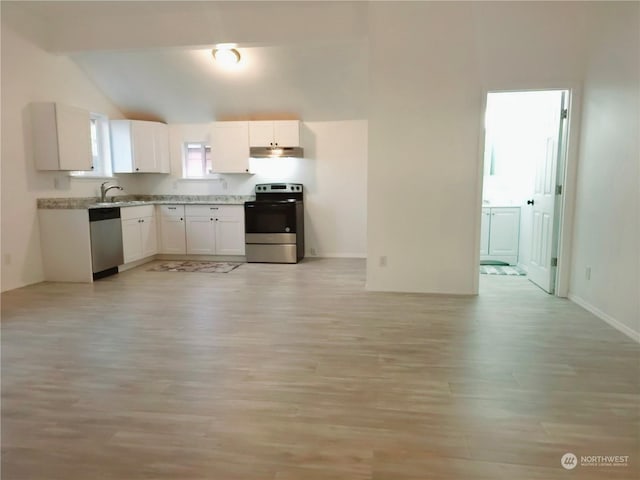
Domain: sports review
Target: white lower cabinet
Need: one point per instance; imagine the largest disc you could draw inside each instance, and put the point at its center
(500, 234)
(215, 229)
(172, 229)
(139, 232)
(201, 235)
(230, 230)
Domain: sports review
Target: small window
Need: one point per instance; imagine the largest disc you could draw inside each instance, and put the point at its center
(100, 148)
(197, 160)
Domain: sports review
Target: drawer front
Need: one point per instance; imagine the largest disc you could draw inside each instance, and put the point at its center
(171, 210)
(202, 210)
(139, 211)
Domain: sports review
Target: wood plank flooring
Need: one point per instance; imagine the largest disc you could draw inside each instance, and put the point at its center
(294, 372)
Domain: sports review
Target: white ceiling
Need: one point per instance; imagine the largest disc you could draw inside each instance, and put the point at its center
(303, 60)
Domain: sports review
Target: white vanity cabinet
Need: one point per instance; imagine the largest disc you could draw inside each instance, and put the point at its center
(500, 234)
(139, 146)
(172, 229)
(139, 232)
(274, 133)
(61, 137)
(230, 147)
(215, 229)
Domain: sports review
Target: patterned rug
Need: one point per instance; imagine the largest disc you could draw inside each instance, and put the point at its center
(193, 266)
(501, 270)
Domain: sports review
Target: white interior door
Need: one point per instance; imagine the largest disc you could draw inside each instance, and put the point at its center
(542, 268)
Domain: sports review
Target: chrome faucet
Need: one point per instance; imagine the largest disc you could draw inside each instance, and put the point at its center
(104, 189)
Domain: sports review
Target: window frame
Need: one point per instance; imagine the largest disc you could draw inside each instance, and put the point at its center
(206, 174)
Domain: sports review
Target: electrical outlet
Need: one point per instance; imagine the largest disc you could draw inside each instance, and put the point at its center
(383, 261)
(587, 273)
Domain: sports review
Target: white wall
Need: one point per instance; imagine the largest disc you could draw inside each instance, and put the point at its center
(30, 74)
(607, 233)
(333, 171)
(431, 63)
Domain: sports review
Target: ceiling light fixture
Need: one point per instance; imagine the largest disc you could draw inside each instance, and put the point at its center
(226, 54)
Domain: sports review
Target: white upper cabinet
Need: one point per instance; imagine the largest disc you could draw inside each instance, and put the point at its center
(62, 137)
(139, 146)
(230, 147)
(161, 145)
(274, 133)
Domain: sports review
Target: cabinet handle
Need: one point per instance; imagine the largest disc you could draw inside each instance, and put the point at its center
(171, 208)
(211, 219)
(137, 169)
(180, 218)
(213, 208)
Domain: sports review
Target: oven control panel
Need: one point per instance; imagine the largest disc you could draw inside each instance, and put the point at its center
(279, 188)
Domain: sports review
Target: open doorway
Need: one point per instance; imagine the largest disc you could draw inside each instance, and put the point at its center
(524, 156)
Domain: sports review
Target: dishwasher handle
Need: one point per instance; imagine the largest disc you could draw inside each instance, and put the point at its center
(108, 213)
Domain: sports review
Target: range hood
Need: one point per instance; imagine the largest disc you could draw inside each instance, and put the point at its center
(276, 152)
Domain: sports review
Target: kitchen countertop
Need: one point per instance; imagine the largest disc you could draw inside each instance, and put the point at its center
(81, 203)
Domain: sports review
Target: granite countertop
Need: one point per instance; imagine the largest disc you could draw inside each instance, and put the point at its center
(81, 203)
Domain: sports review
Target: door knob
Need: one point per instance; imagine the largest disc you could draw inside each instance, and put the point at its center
(530, 202)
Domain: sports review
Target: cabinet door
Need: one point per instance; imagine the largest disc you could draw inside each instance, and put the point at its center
(201, 236)
(230, 230)
(74, 138)
(286, 133)
(143, 146)
(121, 148)
(261, 134)
(172, 235)
(504, 231)
(131, 240)
(61, 136)
(161, 147)
(149, 236)
(229, 236)
(484, 231)
(230, 147)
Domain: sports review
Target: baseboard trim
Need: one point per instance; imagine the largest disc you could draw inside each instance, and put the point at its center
(336, 255)
(621, 327)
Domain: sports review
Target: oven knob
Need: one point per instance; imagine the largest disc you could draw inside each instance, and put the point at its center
(287, 229)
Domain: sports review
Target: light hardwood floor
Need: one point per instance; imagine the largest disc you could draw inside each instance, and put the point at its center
(294, 372)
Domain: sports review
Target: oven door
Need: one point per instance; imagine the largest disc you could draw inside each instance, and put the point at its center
(270, 217)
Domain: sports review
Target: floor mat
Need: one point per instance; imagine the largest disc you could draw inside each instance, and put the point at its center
(192, 266)
(501, 270)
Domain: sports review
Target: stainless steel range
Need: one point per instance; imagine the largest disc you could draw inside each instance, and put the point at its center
(274, 224)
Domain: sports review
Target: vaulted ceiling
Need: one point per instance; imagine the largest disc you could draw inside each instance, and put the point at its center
(303, 60)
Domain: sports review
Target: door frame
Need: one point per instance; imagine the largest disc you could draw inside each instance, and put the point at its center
(567, 172)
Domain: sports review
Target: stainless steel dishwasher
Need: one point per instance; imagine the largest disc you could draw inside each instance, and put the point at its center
(106, 241)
